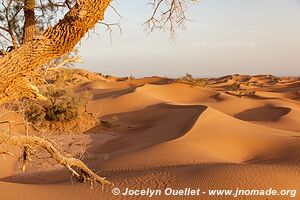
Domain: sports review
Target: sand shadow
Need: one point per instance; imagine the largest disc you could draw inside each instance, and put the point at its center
(113, 94)
(217, 97)
(267, 112)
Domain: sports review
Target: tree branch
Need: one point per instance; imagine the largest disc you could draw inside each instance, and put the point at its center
(167, 15)
(26, 142)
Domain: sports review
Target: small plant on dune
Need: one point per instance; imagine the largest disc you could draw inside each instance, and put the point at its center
(131, 77)
(103, 75)
(189, 79)
(241, 93)
(107, 76)
(237, 90)
(254, 84)
(235, 86)
(274, 79)
(111, 122)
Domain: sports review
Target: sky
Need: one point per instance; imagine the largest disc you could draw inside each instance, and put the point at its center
(223, 37)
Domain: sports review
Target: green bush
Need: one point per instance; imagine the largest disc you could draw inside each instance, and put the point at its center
(62, 105)
(34, 112)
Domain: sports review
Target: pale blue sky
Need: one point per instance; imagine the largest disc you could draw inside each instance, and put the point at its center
(225, 37)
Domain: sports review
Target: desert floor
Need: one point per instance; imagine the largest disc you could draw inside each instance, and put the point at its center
(170, 134)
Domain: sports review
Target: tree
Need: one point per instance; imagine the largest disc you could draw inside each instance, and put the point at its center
(21, 19)
(19, 69)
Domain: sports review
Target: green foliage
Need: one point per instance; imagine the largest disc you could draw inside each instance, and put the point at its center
(63, 105)
(62, 76)
(35, 112)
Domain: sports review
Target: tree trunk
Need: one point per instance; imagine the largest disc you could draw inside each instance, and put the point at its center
(18, 68)
(29, 28)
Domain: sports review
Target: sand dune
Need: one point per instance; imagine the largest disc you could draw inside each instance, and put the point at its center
(175, 135)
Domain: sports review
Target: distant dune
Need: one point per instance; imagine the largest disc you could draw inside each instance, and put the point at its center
(237, 131)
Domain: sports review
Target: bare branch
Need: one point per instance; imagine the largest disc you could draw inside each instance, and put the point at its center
(6, 153)
(26, 142)
(109, 28)
(167, 15)
(116, 11)
(5, 29)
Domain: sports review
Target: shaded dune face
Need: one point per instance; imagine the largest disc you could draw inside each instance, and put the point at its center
(112, 94)
(264, 113)
(153, 125)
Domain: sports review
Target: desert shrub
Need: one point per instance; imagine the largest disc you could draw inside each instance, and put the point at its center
(61, 112)
(61, 76)
(254, 84)
(235, 86)
(62, 105)
(241, 93)
(34, 112)
(131, 77)
(189, 79)
(111, 122)
(107, 76)
(273, 78)
(103, 75)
